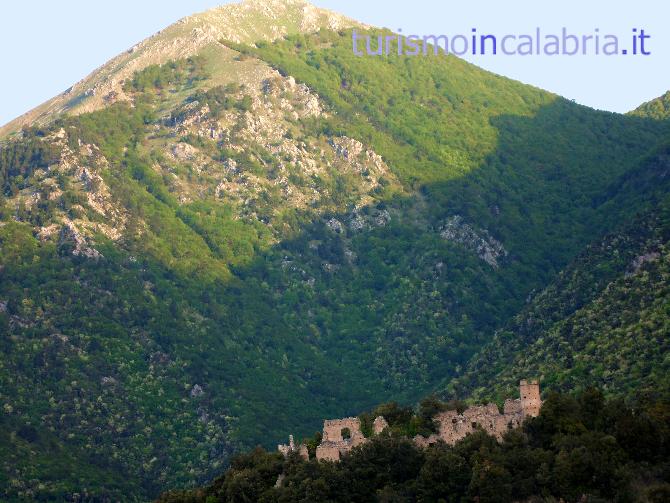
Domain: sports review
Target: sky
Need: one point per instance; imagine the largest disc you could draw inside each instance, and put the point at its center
(47, 46)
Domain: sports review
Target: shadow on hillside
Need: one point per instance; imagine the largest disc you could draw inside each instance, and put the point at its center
(374, 328)
(329, 324)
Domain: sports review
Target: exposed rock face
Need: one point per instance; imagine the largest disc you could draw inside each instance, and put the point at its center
(374, 218)
(80, 167)
(108, 381)
(245, 22)
(487, 248)
(639, 261)
(70, 236)
(183, 152)
(335, 225)
(346, 148)
(294, 167)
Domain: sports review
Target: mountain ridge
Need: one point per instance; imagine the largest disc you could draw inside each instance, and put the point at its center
(658, 108)
(247, 21)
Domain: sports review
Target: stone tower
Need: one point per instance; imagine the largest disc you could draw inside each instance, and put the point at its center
(529, 392)
(379, 425)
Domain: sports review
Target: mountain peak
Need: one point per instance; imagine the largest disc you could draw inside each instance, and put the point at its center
(252, 20)
(244, 22)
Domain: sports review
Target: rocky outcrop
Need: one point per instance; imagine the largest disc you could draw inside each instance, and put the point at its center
(71, 240)
(485, 246)
(640, 260)
(245, 22)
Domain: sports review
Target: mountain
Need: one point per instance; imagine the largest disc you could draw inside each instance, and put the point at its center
(603, 320)
(248, 21)
(238, 228)
(658, 108)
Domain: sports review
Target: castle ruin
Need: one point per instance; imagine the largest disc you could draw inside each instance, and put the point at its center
(453, 426)
(287, 449)
(342, 435)
(339, 436)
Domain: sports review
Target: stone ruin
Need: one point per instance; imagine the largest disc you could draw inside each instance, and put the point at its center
(342, 435)
(453, 426)
(333, 442)
(287, 449)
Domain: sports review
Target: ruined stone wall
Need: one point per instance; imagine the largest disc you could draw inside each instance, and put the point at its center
(332, 428)
(328, 451)
(512, 406)
(333, 444)
(379, 425)
(452, 426)
(286, 449)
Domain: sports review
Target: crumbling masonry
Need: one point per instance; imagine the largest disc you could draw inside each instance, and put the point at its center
(342, 435)
(286, 449)
(453, 426)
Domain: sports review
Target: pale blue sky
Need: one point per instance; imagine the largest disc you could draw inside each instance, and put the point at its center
(47, 45)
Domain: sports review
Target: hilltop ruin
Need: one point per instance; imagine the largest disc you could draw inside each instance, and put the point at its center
(342, 435)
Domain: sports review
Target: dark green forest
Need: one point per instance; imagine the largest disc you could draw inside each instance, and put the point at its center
(580, 448)
(604, 319)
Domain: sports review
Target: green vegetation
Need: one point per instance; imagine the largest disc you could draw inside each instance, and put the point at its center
(158, 77)
(582, 448)
(604, 319)
(658, 108)
(526, 165)
(18, 161)
(221, 98)
(211, 324)
(114, 129)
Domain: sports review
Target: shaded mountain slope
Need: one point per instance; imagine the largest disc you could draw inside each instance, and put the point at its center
(604, 320)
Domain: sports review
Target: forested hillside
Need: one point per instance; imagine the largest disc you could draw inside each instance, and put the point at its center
(244, 240)
(658, 108)
(580, 448)
(604, 319)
